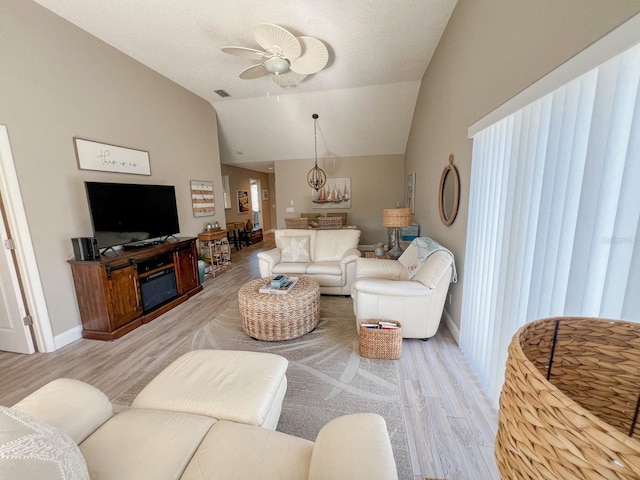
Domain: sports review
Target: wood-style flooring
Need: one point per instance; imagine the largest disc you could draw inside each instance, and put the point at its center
(450, 423)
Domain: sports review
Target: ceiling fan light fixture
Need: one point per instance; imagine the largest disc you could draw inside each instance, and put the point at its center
(286, 58)
(276, 65)
(316, 178)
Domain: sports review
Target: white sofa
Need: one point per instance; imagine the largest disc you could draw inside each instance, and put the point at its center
(67, 430)
(411, 290)
(327, 256)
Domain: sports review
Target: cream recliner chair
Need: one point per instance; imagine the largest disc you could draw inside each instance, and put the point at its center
(411, 290)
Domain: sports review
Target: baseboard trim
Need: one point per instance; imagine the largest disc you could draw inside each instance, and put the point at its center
(453, 328)
(65, 338)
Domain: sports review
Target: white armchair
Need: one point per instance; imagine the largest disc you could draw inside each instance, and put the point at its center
(411, 290)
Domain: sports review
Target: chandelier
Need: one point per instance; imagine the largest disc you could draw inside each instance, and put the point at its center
(316, 178)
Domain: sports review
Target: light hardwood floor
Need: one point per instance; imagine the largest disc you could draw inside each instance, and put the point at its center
(451, 424)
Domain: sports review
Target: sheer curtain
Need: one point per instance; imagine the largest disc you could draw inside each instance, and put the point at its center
(554, 212)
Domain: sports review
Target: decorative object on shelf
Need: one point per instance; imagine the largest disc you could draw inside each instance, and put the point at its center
(243, 201)
(202, 198)
(449, 193)
(409, 233)
(396, 218)
(212, 227)
(411, 192)
(316, 178)
(104, 157)
(378, 248)
(336, 193)
(570, 399)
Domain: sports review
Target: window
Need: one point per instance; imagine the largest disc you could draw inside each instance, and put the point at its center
(554, 213)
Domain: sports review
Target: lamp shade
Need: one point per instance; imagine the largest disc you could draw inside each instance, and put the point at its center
(396, 217)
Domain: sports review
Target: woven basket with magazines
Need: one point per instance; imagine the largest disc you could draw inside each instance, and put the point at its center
(384, 343)
(569, 404)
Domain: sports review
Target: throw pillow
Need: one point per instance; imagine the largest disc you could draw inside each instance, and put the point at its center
(32, 449)
(295, 249)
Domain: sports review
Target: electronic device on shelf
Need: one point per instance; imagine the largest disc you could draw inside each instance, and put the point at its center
(131, 214)
(85, 248)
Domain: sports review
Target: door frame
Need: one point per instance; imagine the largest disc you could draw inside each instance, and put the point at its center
(24, 252)
(258, 184)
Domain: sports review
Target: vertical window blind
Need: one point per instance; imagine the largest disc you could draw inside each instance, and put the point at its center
(554, 212)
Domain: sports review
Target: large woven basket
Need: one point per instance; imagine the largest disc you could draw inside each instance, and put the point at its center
(379, 343)
(569, 404)
(296, 222)
(329, 223)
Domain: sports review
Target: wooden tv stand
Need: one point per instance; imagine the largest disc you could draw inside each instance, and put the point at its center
(110, 297)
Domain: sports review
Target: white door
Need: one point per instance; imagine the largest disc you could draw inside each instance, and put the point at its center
(15, 336)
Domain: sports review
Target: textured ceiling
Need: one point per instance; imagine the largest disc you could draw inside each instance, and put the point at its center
(378, 53)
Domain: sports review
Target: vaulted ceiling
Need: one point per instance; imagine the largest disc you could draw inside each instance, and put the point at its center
(365, 96)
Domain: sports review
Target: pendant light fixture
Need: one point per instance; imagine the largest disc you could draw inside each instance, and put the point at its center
(316, 178)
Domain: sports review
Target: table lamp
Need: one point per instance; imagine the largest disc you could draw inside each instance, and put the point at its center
(396, 218)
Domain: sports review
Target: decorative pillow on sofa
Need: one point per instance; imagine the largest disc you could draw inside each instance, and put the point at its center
(32, 449)
(295, 249)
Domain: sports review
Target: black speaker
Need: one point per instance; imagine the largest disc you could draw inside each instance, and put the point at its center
(85, 248)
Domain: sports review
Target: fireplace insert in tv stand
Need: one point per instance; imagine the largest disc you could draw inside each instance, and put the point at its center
(118, 293)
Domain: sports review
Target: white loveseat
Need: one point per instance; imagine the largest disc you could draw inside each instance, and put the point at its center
(411, 290)
(327, 256)
(67, 430)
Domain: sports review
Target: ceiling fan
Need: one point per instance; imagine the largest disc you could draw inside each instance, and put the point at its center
(287, 57)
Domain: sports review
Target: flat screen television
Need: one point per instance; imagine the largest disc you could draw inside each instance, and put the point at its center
(124, 213)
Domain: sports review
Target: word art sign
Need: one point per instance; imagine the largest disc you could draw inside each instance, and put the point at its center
(111, 158)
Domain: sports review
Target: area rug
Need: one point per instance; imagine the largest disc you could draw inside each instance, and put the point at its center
(326, 377)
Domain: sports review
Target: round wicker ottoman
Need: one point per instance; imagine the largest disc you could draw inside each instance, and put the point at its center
(569, 404)
(272, 317)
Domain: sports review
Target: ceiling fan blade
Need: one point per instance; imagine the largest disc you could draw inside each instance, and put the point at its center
(244, 52)
(288, 79)
(254, 71)
(273, 38)
(314, 56)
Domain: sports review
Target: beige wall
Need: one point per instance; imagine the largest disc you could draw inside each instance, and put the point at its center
(377, 182)
(239, 179)
(490, 51)
(58, 82)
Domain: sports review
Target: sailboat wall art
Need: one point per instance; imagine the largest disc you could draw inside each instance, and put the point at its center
(336, 193)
